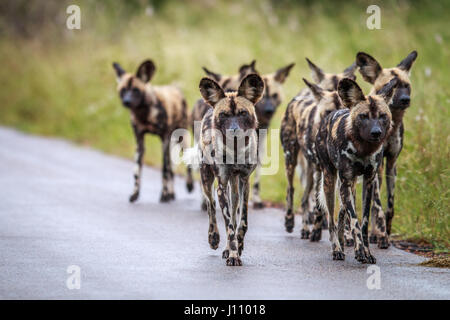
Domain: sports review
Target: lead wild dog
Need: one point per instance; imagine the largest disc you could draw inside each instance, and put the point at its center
(350, 144)
(228, 146)
(298, 130)
(157, 110)
(265, 108)
(372, 72)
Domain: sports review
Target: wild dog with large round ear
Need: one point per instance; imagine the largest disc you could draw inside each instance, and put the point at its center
(374, 73)
(295, 117)
(265, 108)
(156, 110)
(350, 144)
(230, 112)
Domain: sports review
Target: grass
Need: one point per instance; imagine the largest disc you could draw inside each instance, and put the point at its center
(60, 82)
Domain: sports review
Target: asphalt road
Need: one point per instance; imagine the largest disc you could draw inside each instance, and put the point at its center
(65, 205)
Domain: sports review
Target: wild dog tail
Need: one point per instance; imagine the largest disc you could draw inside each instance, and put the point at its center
(321, 196)
(191, 157)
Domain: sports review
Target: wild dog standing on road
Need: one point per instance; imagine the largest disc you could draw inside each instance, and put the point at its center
(265, 108)
(298, 131)
(372, 72)
(154, 109)
(229, 129)
(350, 144)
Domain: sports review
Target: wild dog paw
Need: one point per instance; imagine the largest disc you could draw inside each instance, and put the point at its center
(258, 205)
(225, 254)
(370, 259)
(304, 234)
(316, 235)
(234, 261)
(373, 238)
(360, 255)
(190, 186)
(383, 242)
(213, 240)
(166, 197)
(338, 255)
(289, 223)
(134, 197)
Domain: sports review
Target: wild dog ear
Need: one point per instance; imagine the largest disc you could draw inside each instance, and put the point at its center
(315, 89)
(251, 88)
(146, 71)
(119, 70)
(316, 73)
(247, 68)
(282, 73)
(212, 75)
(349, 72)
(211, 91)
(369, 68)
(407, 63)
(350, 92)
(388, 89)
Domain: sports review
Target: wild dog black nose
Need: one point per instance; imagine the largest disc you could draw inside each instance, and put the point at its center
(404, 99)
(127, 103)
(375, 132)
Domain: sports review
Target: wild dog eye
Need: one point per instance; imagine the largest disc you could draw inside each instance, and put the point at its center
(136, 91)
(122, 92)
(223, 115)
(363, 116)
(383, 116)
(275, 96)
(243, 113)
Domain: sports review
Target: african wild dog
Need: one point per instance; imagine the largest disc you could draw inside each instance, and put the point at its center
(229, 128)
(154, 109)
(228, 83)
(298, 129)
(372, 72)
(350, 144)
(265, 108)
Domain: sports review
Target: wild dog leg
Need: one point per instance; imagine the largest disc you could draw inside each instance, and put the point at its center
(329, 181)
(140, 149)
(378, 219)
(347, 231)
(391, 175)
(316, 233)
(207, 183)
(234, 203)
(257, 202)
(243, 225)
(290, 164)
(222, 193)
(368, 185)
(168, 191)
(349, 208)
(305, 201)
(376, 207)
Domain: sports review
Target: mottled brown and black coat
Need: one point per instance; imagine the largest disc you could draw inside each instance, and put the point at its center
(265, 108)
(231, 113)
(156, 110)
(298, 130)
(349, 144)
(372, 72)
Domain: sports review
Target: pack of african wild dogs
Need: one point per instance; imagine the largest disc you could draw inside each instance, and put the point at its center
(331, 132)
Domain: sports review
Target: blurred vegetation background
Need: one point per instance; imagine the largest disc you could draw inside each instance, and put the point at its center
(60, 82)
